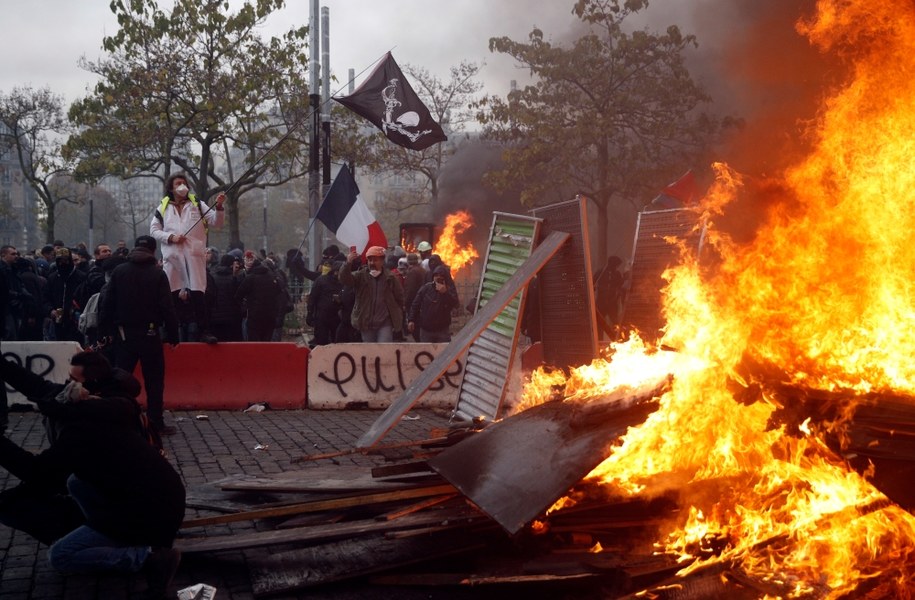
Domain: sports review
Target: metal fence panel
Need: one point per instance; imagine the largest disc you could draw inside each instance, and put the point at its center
(568, 322)
(489, 358)
(654, 251)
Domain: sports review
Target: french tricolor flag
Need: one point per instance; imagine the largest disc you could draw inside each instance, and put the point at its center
(345, 214)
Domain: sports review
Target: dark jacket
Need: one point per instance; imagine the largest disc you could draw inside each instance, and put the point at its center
(262, 294)
(431, 310)
(115, 405)
(101, 441)
(95, 280)
(138, 296)
(145, 495)
(35, 287)
(61, 294)
(362, 282)
(226, 309)
(324, 300)
(19, 299)
(413, 280)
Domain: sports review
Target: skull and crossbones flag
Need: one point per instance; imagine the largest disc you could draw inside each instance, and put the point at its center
(387, 100)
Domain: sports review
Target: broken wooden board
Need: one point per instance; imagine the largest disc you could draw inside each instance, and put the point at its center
(297, 569)
(468, 333)
(211, 497)
(324, 533)
(333, 478)
(320, 505)
(518, 467)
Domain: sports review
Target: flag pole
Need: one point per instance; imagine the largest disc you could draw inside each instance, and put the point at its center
(295, 126)
(314, 97)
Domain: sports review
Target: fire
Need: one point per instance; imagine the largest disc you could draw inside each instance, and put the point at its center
(448, 246)
(824, 295)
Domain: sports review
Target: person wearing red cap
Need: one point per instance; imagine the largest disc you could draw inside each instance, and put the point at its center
(378, 313)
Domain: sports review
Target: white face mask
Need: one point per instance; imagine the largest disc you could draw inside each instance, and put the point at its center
(72, 392)
(181, 190)
(374, 272)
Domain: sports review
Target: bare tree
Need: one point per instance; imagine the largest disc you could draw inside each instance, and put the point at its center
(34, 128)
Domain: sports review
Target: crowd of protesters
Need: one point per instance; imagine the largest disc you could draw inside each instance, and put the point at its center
(102, 495)
(384, 295)
(47, 298)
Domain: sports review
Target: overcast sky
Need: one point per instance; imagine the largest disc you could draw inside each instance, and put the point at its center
(44, 39)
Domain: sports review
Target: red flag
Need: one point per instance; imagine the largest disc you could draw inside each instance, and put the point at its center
(685, 189)
(345, 214)
(387, 100)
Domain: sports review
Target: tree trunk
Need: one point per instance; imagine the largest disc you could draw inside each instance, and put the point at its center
(232, 214)
(50, 222)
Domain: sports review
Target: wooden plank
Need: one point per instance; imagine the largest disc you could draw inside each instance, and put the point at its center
(323, 533)
(350, 451)
(402, 469)
(287, 572)
(417, 507)
(324, 479)
(319, 505)
(470, 579)
(474, 327)
(211, 497)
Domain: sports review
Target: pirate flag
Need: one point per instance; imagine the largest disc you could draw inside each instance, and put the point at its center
(388, 101)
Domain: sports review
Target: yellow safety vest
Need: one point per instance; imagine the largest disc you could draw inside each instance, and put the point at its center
(160, 212)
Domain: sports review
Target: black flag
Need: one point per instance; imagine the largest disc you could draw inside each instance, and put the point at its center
(388, 101)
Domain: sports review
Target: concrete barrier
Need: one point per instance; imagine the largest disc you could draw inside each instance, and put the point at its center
(50, 360)
(234, 375)
(374, 375)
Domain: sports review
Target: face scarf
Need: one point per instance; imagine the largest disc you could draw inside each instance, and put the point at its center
(72, 392)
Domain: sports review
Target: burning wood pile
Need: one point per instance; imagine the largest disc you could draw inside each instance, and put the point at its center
(768, 456)
(546, 501)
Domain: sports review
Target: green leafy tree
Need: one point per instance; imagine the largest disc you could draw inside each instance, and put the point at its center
(614, 115)
(194, 88)
(33, 127)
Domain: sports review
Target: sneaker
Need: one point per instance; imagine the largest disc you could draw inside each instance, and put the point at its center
(208, 338)
(160, 567)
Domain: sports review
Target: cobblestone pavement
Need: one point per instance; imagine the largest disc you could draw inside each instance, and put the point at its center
(206, 450)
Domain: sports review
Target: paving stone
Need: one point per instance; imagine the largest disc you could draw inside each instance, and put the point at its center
(202, 451)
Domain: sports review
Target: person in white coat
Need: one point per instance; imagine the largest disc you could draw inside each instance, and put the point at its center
(180, 224)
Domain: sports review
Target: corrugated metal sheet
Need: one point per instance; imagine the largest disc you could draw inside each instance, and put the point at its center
(568, 326)
(462, 340)
(652, 254)
(489, 357)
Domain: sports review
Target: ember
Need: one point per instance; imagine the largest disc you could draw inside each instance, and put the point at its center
(825, 294)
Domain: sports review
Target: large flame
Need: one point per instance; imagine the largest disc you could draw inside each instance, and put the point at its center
(454, 253)
(826, 293)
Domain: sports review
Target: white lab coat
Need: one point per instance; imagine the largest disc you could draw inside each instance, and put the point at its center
(185, 263)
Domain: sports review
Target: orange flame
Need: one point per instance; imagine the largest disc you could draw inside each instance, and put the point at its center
(448, 246)
(825, 293)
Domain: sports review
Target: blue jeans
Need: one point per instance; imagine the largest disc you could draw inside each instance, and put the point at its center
(85, 550)
(382, 335)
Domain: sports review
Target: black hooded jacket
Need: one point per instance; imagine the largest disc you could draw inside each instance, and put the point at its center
(137, 296)
(262, 294)
(226, 308)
(144, 494)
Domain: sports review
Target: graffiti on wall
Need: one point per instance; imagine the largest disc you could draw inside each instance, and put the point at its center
(373, 375)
